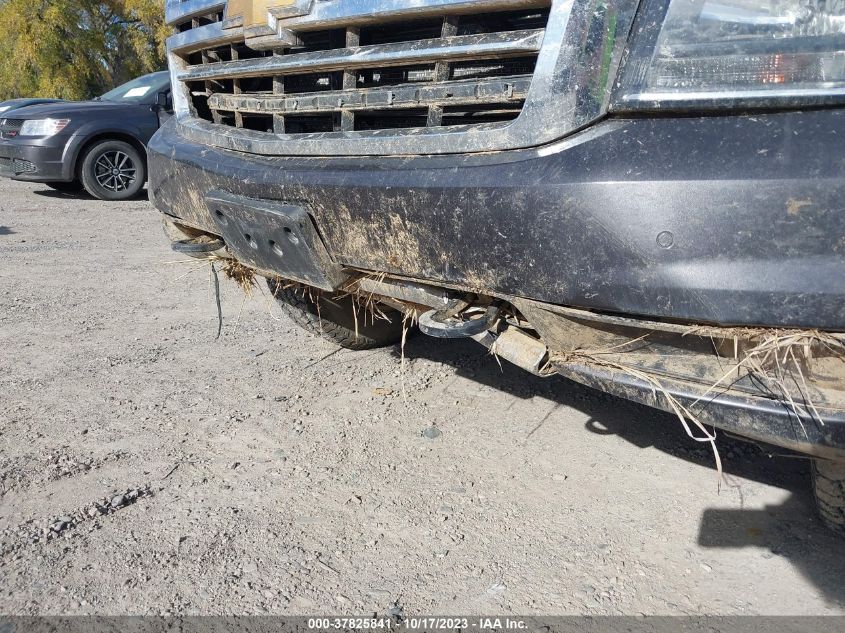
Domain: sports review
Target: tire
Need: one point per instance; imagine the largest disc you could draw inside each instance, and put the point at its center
(100, 169)
(829, 488)
(334, 319)
(176, 232)
(66, 187)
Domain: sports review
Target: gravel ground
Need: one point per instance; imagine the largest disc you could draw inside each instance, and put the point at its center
(146, 468)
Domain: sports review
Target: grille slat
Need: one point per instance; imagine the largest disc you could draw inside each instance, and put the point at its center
(341, 13)
(486, 46)
(194, 14)
(497, 91)
(442, 70)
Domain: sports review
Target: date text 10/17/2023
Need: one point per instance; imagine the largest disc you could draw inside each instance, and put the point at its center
(420, 623)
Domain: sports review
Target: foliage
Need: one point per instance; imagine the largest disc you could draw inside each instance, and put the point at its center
(77, 49)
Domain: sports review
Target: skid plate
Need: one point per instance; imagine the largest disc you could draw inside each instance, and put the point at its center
(275, 237)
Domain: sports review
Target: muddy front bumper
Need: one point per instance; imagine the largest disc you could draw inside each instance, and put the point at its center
(731, 221)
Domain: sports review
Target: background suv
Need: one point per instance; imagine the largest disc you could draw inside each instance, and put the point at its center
(97, 145)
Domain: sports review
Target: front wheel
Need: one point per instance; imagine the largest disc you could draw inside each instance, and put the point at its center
(342, 320)
(113, 170)
(829, 486)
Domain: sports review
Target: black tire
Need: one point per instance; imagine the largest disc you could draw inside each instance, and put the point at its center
(67, 187)
(113, 170)
(335, 321)
(829, 488)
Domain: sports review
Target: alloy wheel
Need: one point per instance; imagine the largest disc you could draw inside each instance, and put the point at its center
(115, 170)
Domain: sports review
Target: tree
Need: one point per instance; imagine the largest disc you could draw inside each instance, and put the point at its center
(77, 49)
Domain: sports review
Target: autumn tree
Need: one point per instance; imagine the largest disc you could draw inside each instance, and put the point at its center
(77, 49)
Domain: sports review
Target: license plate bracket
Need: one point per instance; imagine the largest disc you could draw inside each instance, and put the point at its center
(275, 237)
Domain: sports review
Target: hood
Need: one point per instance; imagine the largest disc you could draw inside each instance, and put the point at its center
(12, 105)
(25, 101)
(67, 109)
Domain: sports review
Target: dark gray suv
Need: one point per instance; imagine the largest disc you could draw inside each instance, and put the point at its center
(94, 145)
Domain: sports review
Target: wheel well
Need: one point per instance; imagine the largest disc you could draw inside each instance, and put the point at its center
(108, 136)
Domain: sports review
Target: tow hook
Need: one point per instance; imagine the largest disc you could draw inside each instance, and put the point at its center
(199, 247)
(445, 323)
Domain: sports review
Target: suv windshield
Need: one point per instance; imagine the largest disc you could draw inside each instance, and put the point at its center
(141, 90)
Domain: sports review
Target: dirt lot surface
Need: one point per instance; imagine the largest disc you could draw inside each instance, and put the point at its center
(146, 468)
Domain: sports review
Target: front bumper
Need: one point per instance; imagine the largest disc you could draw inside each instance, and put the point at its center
(715, 220)
(726, 220)
(33, 163)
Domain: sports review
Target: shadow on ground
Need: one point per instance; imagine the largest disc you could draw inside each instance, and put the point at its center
(5, 230)
(64, 195)
(84, 195)
(790, 530)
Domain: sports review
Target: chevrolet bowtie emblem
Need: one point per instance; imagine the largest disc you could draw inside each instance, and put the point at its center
(254, 12)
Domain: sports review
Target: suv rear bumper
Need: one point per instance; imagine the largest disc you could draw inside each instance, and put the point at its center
(712, 220)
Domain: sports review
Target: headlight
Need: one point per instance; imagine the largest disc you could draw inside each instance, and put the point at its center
(43, 127)
(753, 52)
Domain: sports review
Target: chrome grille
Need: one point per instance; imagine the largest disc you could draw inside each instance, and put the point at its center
(403, 73)
(392, 76)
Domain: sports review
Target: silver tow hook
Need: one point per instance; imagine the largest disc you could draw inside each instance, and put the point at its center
(459, 320)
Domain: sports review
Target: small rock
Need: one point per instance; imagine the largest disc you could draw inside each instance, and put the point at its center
(117, 501)
(496, 589)
(432, 433)
(396, 612)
